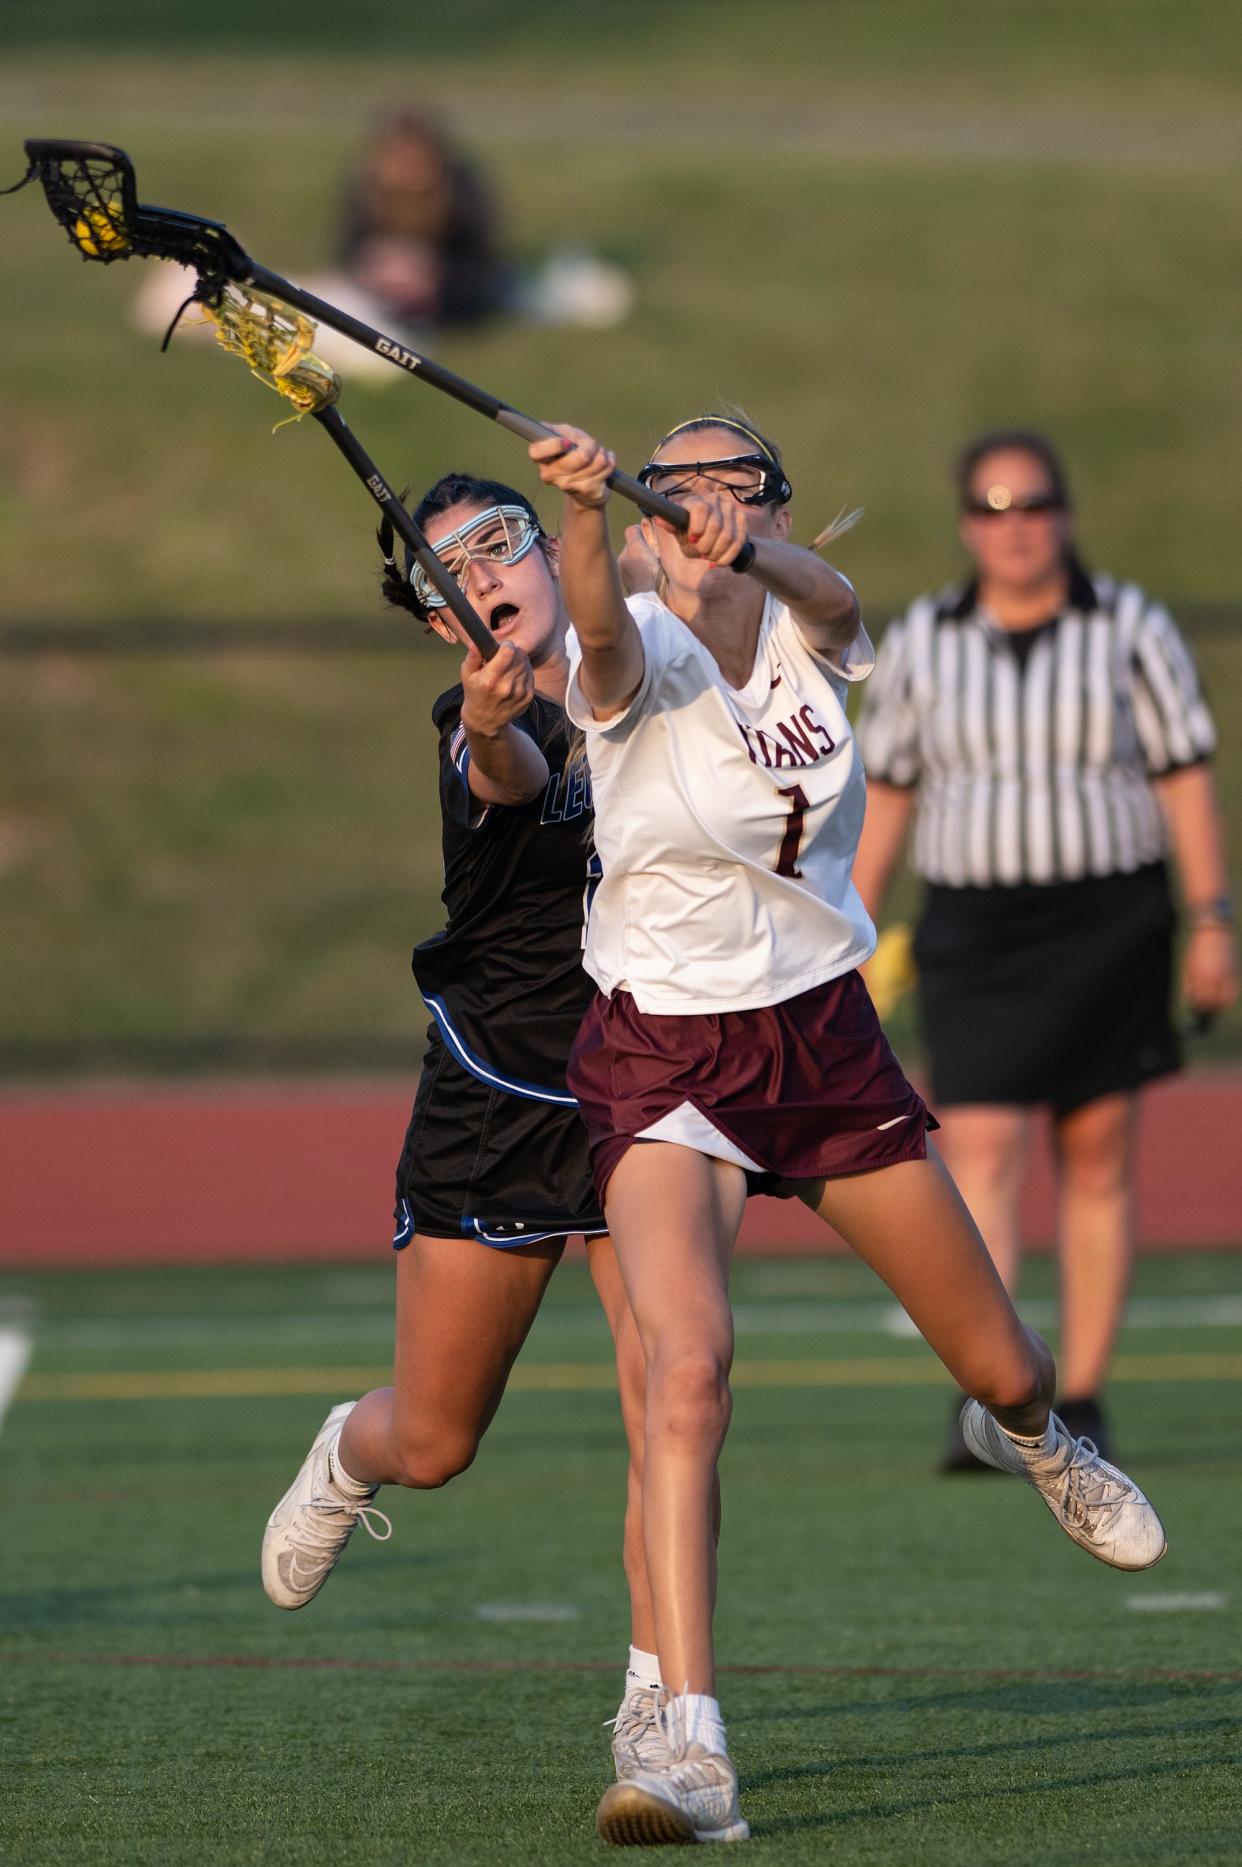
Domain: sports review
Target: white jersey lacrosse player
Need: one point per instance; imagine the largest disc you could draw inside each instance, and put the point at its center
(727, 827)
(732, 1047)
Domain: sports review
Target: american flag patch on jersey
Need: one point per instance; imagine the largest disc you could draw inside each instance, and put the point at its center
(459, 752)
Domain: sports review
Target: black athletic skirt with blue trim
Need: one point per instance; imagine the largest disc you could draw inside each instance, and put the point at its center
(496, 1150)
(484, 1164)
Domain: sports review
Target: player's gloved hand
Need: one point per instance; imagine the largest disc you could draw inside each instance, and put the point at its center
(717, 528)
(496, 692)
(574, 462)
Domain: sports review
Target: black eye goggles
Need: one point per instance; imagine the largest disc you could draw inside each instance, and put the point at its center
(752, 479)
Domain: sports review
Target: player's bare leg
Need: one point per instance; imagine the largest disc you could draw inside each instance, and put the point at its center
(637, 1739)
(1095, 1148)
(463, 1312)
(909, 1223)
(984, 1147)
(631, 1384)
(674, 1216)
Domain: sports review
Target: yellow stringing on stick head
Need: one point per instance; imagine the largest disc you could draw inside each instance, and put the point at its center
(276, 342)
(97, 231)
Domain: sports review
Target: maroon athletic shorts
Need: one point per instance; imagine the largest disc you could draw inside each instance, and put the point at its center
(808, 1088)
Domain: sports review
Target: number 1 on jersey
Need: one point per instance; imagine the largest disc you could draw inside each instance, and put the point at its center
(791, 842)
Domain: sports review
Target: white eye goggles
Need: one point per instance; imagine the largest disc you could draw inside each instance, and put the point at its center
(499, 535)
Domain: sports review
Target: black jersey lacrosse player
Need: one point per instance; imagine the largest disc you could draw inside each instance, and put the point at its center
(495, 1171)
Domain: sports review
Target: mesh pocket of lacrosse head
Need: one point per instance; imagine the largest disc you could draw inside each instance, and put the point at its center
(91, 190)
(87, 194)
(276, 343)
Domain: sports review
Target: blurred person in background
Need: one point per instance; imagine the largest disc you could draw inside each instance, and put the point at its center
(419, 243)
(418, 232)
(1044, 728)
(419, 251)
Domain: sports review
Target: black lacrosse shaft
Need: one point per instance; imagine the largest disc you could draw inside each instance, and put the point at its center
(467, 617)
(451, 384)
(190, 238)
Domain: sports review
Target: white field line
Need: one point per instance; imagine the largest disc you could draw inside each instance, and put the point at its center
(1199, 1312)
(527, 1611)
(14, 1354)
(815, 1318)
(1177, 1604)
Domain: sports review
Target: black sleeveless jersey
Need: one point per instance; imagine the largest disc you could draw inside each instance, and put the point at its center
(504, 979)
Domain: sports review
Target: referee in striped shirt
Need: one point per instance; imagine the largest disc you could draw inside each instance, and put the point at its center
(1045, 729)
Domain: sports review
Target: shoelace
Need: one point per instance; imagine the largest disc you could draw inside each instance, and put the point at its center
(326, 1535)
(639, 1709)
(1091, 1492)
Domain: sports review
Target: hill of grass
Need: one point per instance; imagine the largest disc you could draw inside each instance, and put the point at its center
(879, 229)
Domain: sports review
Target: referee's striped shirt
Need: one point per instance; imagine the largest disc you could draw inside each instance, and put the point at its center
(1033, 750)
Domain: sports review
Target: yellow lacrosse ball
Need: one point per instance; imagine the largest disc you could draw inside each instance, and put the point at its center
(97, 232)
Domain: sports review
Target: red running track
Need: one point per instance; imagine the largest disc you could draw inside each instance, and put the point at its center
(113, 1174)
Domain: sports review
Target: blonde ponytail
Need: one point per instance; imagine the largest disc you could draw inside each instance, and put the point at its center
(844, 522)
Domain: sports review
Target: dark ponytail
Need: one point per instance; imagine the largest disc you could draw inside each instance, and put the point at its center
(395, 587)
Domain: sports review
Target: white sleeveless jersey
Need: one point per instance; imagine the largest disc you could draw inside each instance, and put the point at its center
(726, 820)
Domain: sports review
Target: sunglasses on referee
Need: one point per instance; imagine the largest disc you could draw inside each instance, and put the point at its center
(998, 501)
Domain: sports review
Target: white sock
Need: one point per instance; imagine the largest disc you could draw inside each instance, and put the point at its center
(352, 1487)
(643, 1670)
(703, 1722)
(1045, 1442)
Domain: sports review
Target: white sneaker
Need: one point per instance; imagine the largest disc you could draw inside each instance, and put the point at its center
(313, 1522)
(1098, 1506)
(686, 1794)
(637, 1740)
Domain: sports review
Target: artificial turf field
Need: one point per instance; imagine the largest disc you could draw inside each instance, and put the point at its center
(916, 1669)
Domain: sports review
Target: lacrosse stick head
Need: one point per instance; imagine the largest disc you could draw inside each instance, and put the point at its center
(276, 343)
(90, 188)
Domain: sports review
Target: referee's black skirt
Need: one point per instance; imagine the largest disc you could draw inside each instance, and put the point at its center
(1052, 995)
(484, 1164)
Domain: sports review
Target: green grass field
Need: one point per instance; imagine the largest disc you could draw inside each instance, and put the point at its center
(916, 1669)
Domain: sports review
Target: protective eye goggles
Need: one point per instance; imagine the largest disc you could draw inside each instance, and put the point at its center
(998, 500)
(500, 535)
(752, 479)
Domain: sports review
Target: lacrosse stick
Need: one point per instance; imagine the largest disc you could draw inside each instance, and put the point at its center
(90, 188)
(276, 343)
